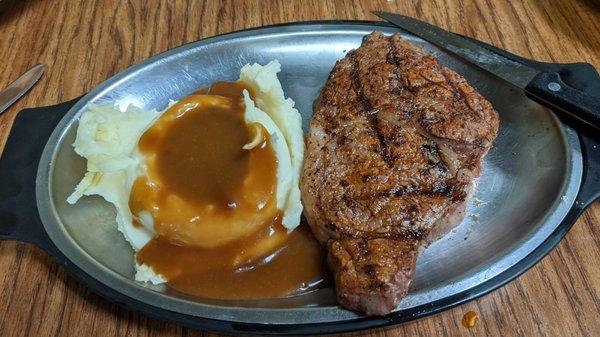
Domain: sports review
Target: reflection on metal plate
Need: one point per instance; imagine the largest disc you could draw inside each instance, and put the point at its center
(529, 180)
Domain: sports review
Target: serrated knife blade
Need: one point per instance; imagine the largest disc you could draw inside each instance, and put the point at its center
(509, 70)
(20, 86)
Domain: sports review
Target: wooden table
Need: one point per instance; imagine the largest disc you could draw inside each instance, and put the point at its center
(85, 42)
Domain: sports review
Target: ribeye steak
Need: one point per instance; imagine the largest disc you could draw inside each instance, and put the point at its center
(394, 149)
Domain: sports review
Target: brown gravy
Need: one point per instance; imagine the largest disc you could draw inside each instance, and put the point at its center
(213, 204)
(295, 267)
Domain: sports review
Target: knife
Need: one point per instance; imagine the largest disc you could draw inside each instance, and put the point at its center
(20, 86)
(575, 99)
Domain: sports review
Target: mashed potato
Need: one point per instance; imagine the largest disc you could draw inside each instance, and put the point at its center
(270, 98)
(108, 138)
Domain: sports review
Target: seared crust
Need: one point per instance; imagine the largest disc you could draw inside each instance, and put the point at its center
(394, 147)
(367, 284)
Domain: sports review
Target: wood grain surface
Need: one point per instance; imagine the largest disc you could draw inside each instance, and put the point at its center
(85, 42)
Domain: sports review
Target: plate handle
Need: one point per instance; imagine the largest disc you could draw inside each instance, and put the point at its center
(590, 188)
(19, 219)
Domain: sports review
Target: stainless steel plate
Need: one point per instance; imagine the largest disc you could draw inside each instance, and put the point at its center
(529, 182)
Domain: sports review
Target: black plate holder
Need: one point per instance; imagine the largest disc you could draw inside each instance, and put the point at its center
(19, 220)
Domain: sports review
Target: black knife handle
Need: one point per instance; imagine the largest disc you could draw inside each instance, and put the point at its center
(580, 76)
(549, 89)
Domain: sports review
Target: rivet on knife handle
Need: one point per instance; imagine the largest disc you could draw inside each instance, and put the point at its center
(550, 90)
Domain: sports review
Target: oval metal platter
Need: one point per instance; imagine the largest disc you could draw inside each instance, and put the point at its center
(530, 181)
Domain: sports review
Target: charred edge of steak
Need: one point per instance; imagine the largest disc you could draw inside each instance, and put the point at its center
(366, 282)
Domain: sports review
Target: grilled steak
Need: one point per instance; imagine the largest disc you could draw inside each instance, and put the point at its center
(394, 149)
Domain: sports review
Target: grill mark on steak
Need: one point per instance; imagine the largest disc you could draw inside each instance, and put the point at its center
(372, 115)
(395, 144)
(398, 90)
